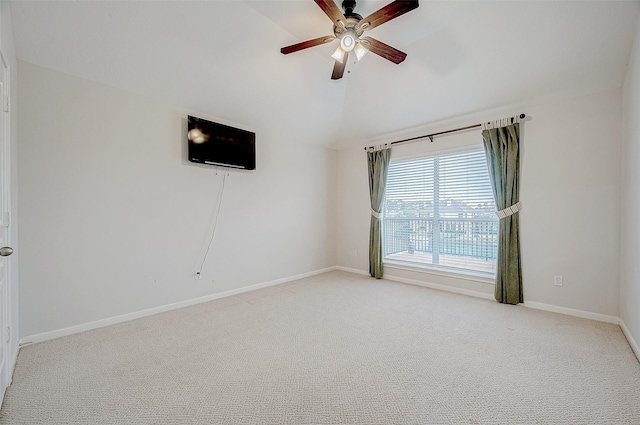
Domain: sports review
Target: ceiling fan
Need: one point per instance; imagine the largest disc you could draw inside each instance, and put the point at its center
(349, 27)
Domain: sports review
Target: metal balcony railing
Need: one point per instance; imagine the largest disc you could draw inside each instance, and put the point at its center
(464, 237)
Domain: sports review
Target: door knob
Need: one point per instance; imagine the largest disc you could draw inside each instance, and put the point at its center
(6, 251)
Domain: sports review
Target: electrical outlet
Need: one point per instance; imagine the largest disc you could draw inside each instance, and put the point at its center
(557, 280)
(197, 276)
(355, 253)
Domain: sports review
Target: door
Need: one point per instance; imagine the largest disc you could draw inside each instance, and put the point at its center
(5, 289)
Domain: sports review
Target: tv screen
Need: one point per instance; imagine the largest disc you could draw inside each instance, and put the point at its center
(218, 144)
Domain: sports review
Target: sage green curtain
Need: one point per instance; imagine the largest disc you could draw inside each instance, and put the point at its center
(502, 149)
(378, 161)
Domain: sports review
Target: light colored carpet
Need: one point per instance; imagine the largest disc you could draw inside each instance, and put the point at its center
(333, 349)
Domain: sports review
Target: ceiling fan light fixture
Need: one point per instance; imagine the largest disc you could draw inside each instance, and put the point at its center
(338, 55)
(348, 41)
(360, 51)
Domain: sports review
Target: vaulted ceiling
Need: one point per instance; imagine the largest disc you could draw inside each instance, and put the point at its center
(222, 58)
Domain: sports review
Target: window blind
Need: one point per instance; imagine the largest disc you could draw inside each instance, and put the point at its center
(439, 211)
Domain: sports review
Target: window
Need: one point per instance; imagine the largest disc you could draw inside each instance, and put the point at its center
(439, 212)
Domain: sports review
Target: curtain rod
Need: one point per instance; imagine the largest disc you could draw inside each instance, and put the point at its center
(431, 136)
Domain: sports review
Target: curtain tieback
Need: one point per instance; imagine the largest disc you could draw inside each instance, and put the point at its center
(509, 210)
(375, 214)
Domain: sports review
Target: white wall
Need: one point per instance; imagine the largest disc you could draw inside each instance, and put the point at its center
(570, 191)
(630, 243)
(114, 218)
(7, 47)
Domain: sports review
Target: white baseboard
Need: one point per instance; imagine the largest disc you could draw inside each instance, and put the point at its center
(632, 342)
(439, 287)
(350, 270)
(46, 336)
(572, 312)
(530, 304)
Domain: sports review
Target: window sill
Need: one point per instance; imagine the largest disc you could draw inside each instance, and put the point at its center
(470, 275)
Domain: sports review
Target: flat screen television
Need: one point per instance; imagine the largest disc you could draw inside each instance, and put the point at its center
(218, 144)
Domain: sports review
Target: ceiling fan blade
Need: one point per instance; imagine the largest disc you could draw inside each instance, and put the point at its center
(384, 50)
(332, 11)
(307, 44)
(338, 67)
(387, 13)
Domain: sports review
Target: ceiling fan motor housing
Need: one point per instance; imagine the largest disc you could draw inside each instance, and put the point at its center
(352, 25)
(348, 6)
